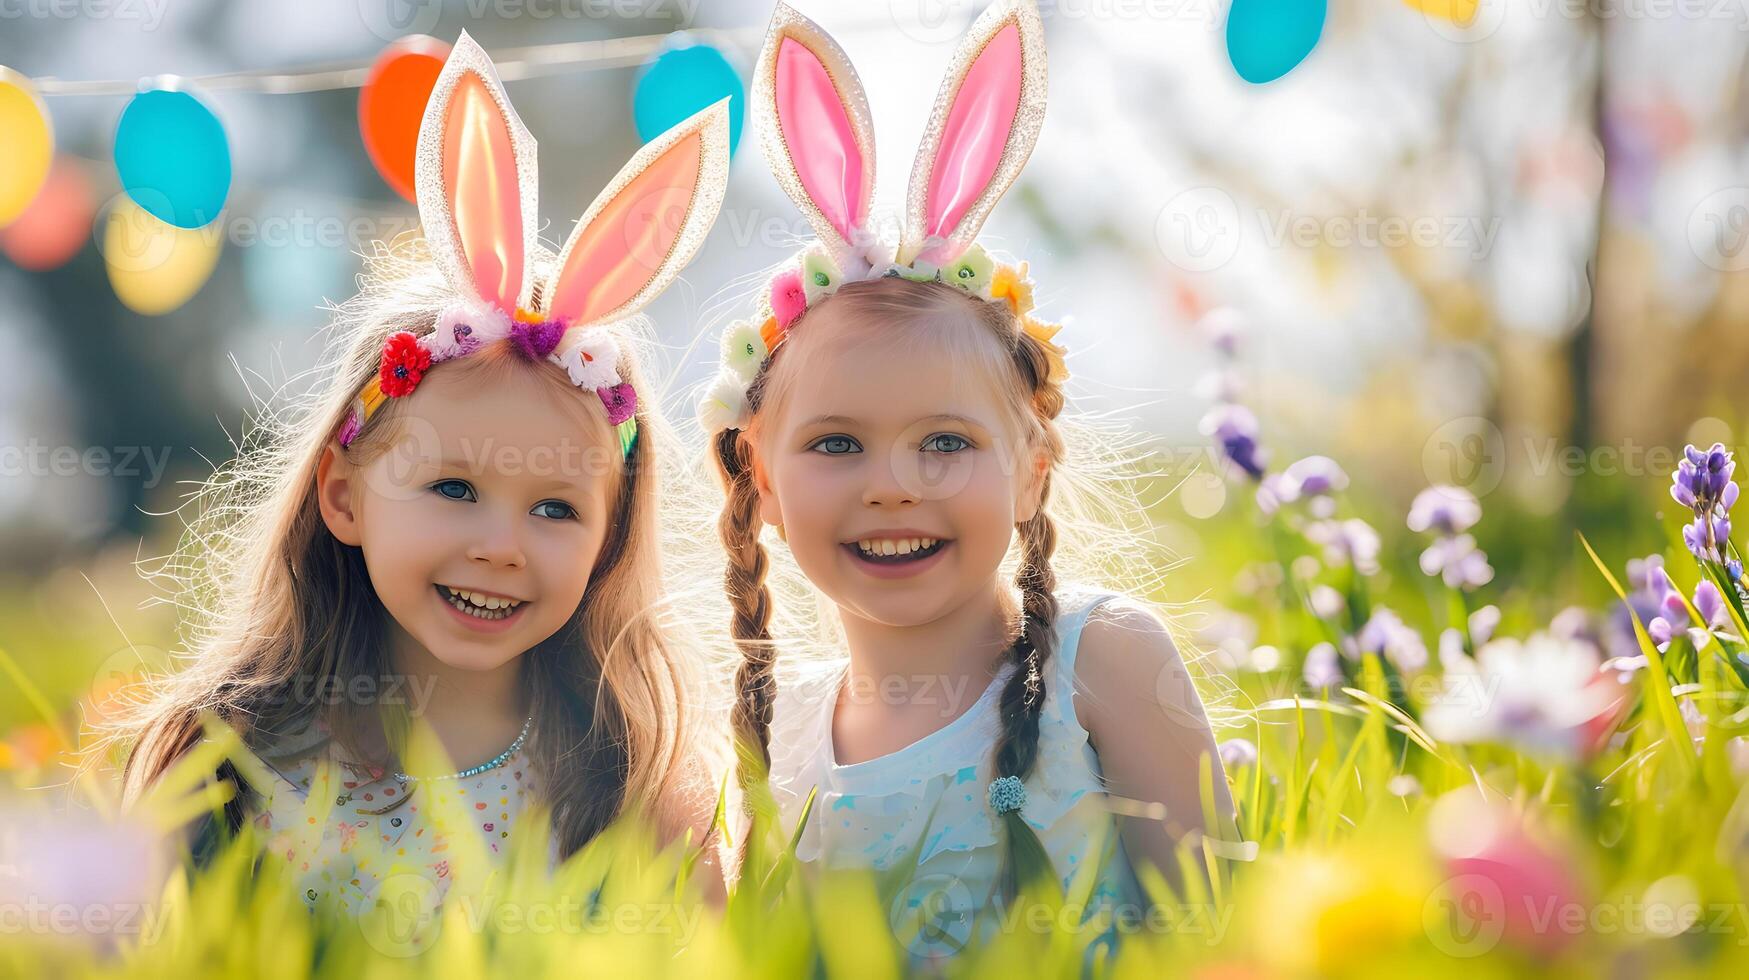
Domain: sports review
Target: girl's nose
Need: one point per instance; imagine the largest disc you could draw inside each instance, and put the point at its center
(498, 544)
(886, 489)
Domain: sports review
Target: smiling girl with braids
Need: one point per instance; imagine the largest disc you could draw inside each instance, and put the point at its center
(896, 420)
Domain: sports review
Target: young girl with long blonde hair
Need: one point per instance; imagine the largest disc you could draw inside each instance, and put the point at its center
(897, 419)
(458, 534)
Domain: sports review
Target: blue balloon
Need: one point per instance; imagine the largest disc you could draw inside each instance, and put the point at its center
(1267, 38)
(171, 154)
(682, 81)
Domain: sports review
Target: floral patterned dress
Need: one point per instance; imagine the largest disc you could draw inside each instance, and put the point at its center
(346, 828)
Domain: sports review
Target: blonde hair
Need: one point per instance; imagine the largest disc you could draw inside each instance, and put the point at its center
(1091, 526)
(269, 595)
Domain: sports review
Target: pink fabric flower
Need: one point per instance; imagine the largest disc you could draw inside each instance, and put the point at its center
(349, 428)
(621, 402)
(788, 300)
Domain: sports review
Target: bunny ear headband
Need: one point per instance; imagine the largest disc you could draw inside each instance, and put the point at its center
(820, 142)
(476, 186)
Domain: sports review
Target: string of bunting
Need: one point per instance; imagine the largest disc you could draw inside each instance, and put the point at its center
(173, 161)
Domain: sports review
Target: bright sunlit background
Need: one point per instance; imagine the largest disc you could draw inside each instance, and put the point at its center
(1497, 245)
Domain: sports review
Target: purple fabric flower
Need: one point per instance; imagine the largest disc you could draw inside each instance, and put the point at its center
(1234, 430)
(537, 340)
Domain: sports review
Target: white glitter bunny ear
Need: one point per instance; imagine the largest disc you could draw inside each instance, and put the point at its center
(984, 125)
(818, 136)
(476, 182)
(644, 226)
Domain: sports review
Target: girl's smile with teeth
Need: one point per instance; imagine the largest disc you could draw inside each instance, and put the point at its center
(895, 546)
(482, 605)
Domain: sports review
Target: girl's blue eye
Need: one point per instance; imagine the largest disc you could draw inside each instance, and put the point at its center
(445, 488)
(945, 442)
(564, 511)
(836, 445)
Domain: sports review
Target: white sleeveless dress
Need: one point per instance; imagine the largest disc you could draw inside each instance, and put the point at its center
(921, 812)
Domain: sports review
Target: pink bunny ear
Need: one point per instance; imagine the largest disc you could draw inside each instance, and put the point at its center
(983, 127)
(817, 133)
(475, 181)
(643, 229)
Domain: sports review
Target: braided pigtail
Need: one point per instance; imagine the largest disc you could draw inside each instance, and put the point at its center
(744, 580)
(1022, 704)
(1026, 864)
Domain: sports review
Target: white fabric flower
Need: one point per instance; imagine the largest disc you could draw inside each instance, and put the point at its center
(464, 326)
(820, 277)
(724, 406)
(591, 358)
(744, 350)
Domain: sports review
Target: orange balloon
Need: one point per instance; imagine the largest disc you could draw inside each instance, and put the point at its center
(57, 224)
(392, 104)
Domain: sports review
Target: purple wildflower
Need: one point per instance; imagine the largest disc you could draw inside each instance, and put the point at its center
(1321, 670)
(1234, 430)
(1237, 752)
(1314, 476)
(1458, 561)
(1386, 634)
(1444, 509)
(1710, 604)
(1349, 542)
(1702, 483)
(1225, 329)
(1449, 512)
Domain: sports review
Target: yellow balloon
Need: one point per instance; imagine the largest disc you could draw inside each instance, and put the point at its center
(1459, 12)
(154, 266)
(29, 142)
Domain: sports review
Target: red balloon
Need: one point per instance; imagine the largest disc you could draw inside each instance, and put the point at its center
(56, 224)
(392, 103)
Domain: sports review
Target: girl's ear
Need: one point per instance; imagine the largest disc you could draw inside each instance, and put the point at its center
(1032, 491)
(336, 480)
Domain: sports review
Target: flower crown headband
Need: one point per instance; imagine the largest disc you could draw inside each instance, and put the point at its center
(819, 139)
(476, 188)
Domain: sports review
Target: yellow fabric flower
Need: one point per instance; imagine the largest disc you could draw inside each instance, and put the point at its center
(1043, 333)
(1011, 283)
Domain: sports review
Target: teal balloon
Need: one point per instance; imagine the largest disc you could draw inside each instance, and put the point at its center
(680, 82)
(1267, 38)
(172, 157)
